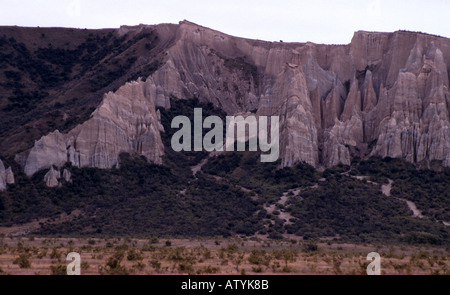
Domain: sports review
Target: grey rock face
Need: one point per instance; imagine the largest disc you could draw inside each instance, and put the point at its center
(386, 91)
(67, 175)
(125, 121)
(2, 185)
(51, 177)
(2, 177)
(397, 91)
(6, 176)
(9, 176)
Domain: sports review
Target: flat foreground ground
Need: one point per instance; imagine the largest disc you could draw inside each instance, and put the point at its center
(44, 256)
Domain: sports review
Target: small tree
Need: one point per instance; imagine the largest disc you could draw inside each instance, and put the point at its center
(237, 259)
(259, 257)
(55, 254)
(155, 264)
(58, 270)
(288, 255)
(134, 255)
(113, 266)
(23, 261)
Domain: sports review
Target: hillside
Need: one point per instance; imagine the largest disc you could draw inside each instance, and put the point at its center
(233, 193)
(384, 94)
(85, 131)
(54, 78)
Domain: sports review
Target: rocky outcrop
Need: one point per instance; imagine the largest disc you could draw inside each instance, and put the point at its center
(51, 178)
(300, 141)
(125, 121)
(6, 176)
(2, 185)
(446, 162)
(388, 92)
(9, 176)
(2, 177)
(353, 105)
(67, 175)
(397, 91)
(418, 127)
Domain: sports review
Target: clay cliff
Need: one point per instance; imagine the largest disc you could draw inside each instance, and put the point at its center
(125, 121)
(6, 177)
(384, 94)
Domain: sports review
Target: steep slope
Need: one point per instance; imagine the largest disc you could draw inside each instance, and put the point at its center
(126, 121)
(400, 91)
(233, 193)
(54, 78)
(383, 94)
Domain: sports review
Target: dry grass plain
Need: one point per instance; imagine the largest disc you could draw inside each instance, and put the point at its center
(236, 256)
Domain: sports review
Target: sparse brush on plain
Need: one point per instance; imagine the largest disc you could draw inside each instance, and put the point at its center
(23, 261)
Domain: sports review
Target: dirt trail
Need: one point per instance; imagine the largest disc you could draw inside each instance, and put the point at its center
(416, 212)
(386, 190)
(199, 166)
(286, 216)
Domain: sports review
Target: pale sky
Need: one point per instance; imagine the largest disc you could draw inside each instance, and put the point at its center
(319, 21)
